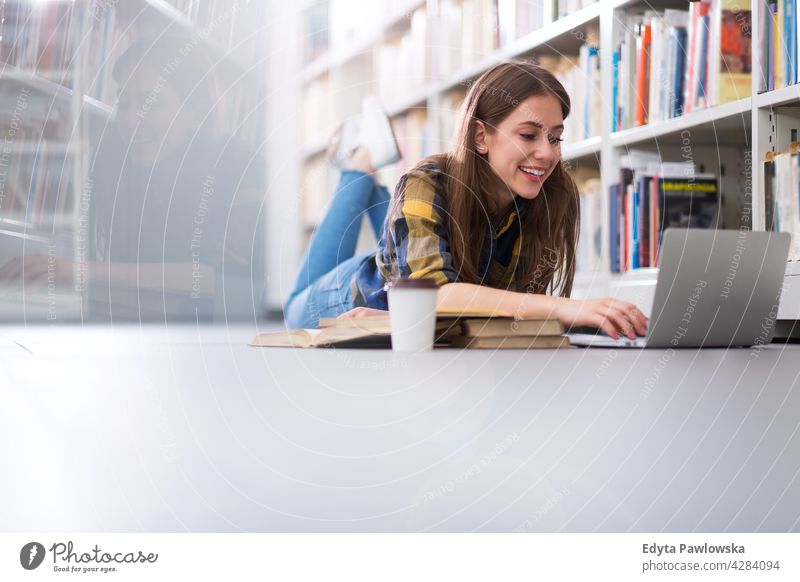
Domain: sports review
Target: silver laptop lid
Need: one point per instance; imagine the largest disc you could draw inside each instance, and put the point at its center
(717, 288)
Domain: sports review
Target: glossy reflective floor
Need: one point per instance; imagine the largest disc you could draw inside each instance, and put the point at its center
(190, 429)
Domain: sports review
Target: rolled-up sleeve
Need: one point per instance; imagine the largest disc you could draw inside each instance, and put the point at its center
(419, 245)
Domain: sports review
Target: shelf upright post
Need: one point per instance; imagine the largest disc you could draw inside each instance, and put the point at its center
(763, 129)
(283, 226)
(608, 161)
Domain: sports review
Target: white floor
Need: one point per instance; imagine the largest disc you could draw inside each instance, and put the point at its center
(189, 429)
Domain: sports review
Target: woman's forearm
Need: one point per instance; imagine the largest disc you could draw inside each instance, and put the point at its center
(471, 296)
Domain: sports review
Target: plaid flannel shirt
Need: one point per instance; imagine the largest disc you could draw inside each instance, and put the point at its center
(419, 242)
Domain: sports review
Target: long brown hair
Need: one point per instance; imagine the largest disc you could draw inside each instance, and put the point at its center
(549, 223)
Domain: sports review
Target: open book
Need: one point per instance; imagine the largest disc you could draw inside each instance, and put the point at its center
(372, 331)
(452, 327)
(345, 337)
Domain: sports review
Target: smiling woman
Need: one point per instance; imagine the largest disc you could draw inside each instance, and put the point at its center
(494, 221)
(507, 153)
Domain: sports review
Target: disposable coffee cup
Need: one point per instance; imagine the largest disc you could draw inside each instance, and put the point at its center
(412, 314)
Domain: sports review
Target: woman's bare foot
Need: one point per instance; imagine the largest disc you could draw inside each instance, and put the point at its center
(334, 143)
(359, 160)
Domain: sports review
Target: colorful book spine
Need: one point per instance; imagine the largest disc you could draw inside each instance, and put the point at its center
(613, 234)
(771, 25)
(676, 105)
(642, 77)
(615, 90)
(731, 77)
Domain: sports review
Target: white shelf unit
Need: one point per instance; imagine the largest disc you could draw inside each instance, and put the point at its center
(741, 130)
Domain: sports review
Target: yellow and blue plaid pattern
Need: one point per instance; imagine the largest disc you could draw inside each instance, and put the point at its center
(420, 247)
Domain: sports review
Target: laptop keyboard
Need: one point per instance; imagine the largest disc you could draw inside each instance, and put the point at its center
(600, 340)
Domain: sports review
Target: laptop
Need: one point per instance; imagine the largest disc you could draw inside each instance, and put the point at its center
(715, 288)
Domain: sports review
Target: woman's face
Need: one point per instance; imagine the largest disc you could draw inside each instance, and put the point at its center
(525, 147)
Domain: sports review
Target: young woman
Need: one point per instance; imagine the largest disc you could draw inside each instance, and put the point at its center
(494, 222)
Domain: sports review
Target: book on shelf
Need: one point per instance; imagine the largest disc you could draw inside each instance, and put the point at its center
(469, 30)
(400, 64)
(34, 36)
(451, 104)
(672, 62)
(782, 194)
(518, 18)
(566, 7)
(668, 42)
(730, 54)
(580, 76)
(467, 328)
(643, 48)
(45, 39)
(315, 30)
(37, 115)
(589, 254)
(317, 185)
(590, 92)
(36, 187)
(317, 113)
(651, 196)
(413, 138)
(777, 37)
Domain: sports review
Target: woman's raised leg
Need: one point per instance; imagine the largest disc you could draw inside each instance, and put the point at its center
(336, 238)
(378, 208)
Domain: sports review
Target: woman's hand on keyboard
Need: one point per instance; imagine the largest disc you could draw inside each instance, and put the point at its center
(613, 316)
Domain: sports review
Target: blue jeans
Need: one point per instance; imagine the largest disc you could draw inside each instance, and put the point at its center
(322, 288)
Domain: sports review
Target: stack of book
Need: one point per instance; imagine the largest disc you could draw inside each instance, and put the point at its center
(509, 333)
(473, 329)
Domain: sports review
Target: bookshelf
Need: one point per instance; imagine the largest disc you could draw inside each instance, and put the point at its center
(58, 100)
(729, 139)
